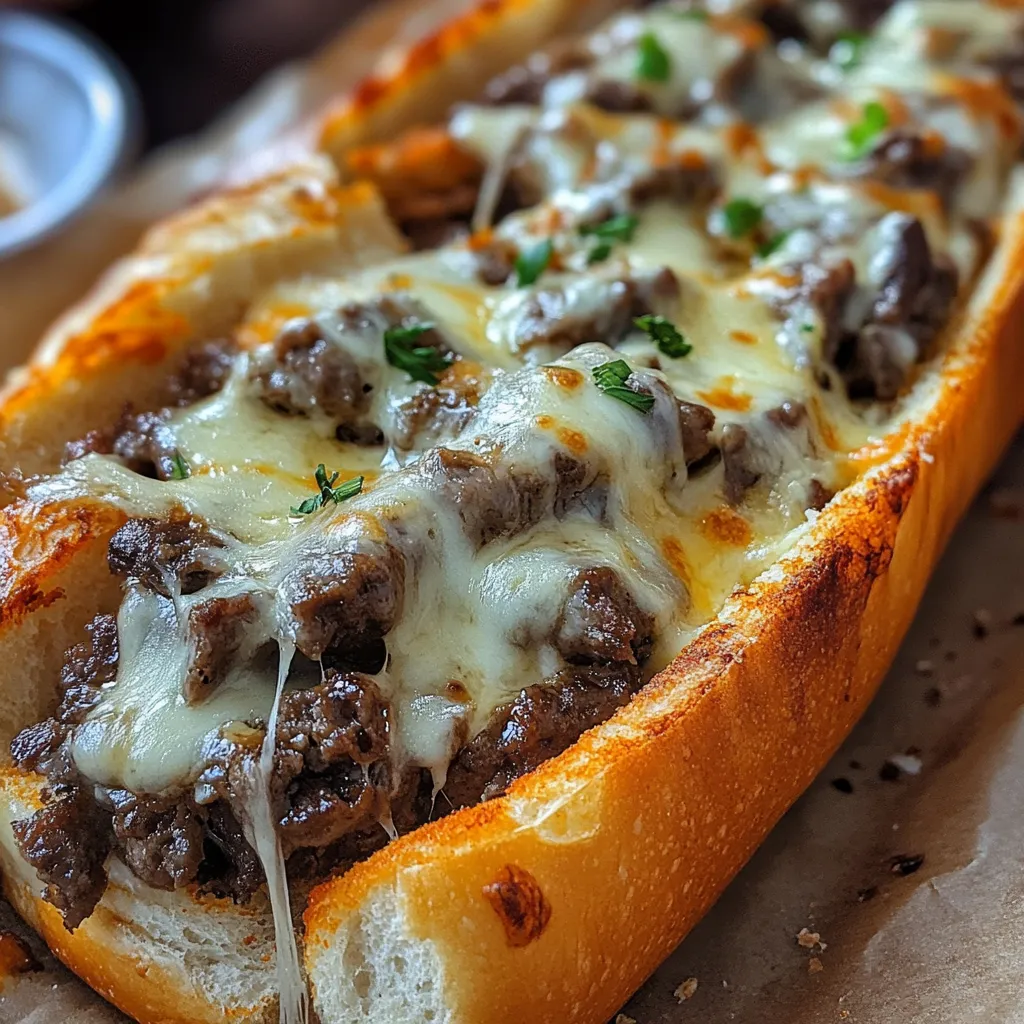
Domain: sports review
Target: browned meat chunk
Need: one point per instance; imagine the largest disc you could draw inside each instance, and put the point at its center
(601, 622)
(541, 722)
(88, 667)
(160, 840)
(164, 554)
(345, 599)
(217, 629)
(66, 842)
(203, 372)
(696, 423)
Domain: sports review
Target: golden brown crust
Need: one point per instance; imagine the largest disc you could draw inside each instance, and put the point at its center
(632, 834)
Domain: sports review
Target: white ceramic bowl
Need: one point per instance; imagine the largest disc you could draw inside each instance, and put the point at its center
(67, 120)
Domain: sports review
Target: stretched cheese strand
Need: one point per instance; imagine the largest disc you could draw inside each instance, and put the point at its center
(294, 1001)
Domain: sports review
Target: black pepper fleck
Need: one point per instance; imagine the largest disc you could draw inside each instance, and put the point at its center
(863, 895)
(904, 864)
(933, 696)
(889, 772)
(843, 785)
(1018, 619)
(856, 766)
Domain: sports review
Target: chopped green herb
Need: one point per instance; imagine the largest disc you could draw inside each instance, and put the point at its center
(848, 49)
(615, 229)
(665, 335)
(180, 469)
(532, 262)
(773, 245)
(694, 15)
(328, 492)
(741, 216)
(421, 362)
(653, 63)
(861, 135)
(611, 379)
(807, 328)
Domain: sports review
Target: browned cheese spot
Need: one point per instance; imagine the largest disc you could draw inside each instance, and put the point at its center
(518, 900)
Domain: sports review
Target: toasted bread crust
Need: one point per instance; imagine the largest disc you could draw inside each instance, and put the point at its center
(724, 739)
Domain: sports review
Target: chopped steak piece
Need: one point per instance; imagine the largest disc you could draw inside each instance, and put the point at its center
(756, 453)
(146, 443)
(541, 722)
(217, 630)
(432, 415)
(331, 768)
(66, 842)
(303, 370)
(88, 666)
(160, 840)
(165, 554)
(344, 599)
(696, 423)
(601, 623)
(204, 372)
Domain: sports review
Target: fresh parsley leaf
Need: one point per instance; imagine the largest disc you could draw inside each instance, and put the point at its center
(807, 328)
(421, 362)
(180, 469)
(653, 63)
(665, 335)
(614, 229)
(741, 216)
(611, 379)
(848, 49)
(532, 262)
(773, 245)
(861, 135)
(328, 492)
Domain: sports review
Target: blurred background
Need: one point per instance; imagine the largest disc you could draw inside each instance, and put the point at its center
(189, 59)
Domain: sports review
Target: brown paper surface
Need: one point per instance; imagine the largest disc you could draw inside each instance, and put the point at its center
(942, 944)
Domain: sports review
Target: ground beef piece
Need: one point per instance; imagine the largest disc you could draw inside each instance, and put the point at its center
(431, 415)
(331, 765)
(203, 372)
(493, 260)
(217, 629)
(100, 442)
(915, 292)
(146, 443)
(344, 599)
(601, 622)
(910, 159)
(695, 424)
(828, 287)
(494, 500)
(230, 866)
(162, 553)
(589, 309)
(525, 83)
(303, 370)
(618, 97)
(66, 842)
(541, 722)
(683, 182)
(756, 453)
(160, 840)
(87, 668)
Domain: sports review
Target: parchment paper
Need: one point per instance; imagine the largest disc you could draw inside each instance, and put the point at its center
(935, 769)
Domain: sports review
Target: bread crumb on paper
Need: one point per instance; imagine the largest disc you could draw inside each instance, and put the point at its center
(686, 990)
(982, 623)
(808, 940)
(815, 966)
(623, 1019)
(924, 667)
